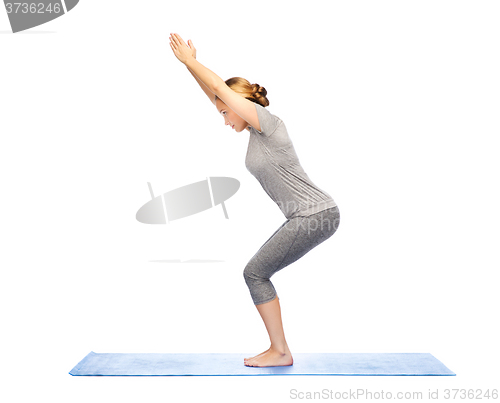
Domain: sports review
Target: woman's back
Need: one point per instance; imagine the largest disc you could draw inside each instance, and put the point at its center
(272, 159)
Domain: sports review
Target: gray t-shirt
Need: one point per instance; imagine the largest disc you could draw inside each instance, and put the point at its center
(271, 158)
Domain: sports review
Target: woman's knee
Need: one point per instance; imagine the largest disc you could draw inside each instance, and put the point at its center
(253, 272)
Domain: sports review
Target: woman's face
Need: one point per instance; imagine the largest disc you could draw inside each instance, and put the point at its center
(231, 118)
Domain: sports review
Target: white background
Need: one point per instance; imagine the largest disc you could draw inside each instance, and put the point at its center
(393, 109)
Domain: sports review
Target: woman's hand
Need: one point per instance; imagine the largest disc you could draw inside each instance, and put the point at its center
(182, 51)
(193, 49)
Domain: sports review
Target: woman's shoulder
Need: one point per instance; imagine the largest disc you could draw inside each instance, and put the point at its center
(267, 120)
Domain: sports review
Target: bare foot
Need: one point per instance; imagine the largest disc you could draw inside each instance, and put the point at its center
(258, 355)
(271, 358)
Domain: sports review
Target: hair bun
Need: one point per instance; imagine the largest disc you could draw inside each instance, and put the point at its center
(260, 94)
(252, 92)
(259, 91)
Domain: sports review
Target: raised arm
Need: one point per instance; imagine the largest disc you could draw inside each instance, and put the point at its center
(243, 107)
(210, 94)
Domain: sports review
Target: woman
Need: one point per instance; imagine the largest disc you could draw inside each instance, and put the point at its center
(312, 215)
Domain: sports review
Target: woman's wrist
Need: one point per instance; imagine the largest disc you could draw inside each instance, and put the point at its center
(188, 60)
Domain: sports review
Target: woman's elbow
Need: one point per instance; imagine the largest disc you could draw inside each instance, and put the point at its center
(218, 85)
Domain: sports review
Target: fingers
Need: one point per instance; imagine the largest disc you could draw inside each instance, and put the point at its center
(173, 47)
(179, 47)
(180, 39)
(176, 39)
(179, 42)
(173, 40)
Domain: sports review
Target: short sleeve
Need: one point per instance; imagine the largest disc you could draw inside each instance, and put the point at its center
(267, 121)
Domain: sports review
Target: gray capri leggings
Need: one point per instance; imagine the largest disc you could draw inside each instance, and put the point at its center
(290, 242)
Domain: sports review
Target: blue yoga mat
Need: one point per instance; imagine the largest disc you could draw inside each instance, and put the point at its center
(218, 364)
